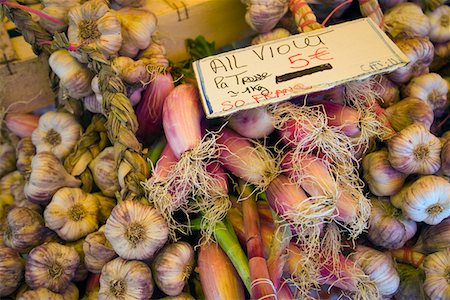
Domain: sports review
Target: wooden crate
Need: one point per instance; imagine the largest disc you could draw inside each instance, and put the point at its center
(24, 83)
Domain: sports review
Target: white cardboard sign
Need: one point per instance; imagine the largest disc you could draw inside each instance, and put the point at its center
(301, 64)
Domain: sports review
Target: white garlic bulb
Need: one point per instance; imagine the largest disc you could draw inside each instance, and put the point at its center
(437, 266)
(57, 132)
(427, 200)
(415, 150)
(72, 213)
(95, 25)
(105, 172)
(47, 176)
(263, 15)
(135, 230)
(172, 267)
(130, 71)
(440, 24)
(406, 20)
(125, 279)
(75, 77)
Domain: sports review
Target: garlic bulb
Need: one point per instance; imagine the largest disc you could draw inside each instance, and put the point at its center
(72, 213)
(275, 34)
(122, 279)
(24, 229)
(381, 177)
(441, 55)
(420, 52)
(98, 251)
(172, 267)
(58, 9)
(135, 230)
(415, 150)
(41, 293)
(47, 176)
(155, 54)
(8, 181)
(92, 104)
(388, 228)
(7, 158)
(406, 20)
(263, 15)
(379, 267)
(94, 25)
(409, 111)
(25, 151)
(437, 266)
(104, 172)
(432, 89)
(51, 266)
(427, 200)
(106, 205)
(12, 268)
(81, 273)
(434, 238)
(138, 26)
(75, 77)
(58, 132)
(130, 71)
(387, 90)
(445, 159)
(440, 24)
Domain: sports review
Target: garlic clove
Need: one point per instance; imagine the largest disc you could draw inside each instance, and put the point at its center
(51, 266)
(122, 279)
(58, 132)
(7, 158)
(98, 251)
(12, 268)
(104, 170)
(135, 230)
(415, 150)
(72, 213)
(172, 267)
(437, 266)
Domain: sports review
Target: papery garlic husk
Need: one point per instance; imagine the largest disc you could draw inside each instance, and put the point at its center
(25, 151)
(427, 200)
(406, 20)
(262, 16)
(172, 267)
(379, 267)
(92, 104)
(58, 132)
(135, 230)
(12, 268)
(409, 111)
(124, 279)
(388, 227)
(94, 25)
(129, 70)
(437, 268)
(275, 34)
(445, 159)
(52, 266)
(7, 158)
(41, 293)
(432, 89)
(380, 176)
(24, 229)
(106, 205)
(420, 52)
(72, 213)
(415, 150)
(104, 171)
(47, 176)
(411, 283)
(138, 26)
(74, 76)
(440, 24)
(21, 125)
(98, 251)
(434, 238)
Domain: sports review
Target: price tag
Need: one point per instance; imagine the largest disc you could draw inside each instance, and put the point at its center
(300, 64)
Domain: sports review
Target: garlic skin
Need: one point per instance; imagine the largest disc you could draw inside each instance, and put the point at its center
(427, 200)
(98, 251)
(12, 268)
(132, 72)
(94, 25)
(135, 230)
(420, 52)
(51, 266)
(440, 24)
(104, 172)
(72, 213)
(406, 20)
(57, 132)
(7, 158)
(25, 151)
(172, 267)
(437, 266)
(41, 293)
(263, 15)
(432, 89)
(138, 26)
(75, 77)
(434, 238)
(388, 228)
(379, 267)
(381, 177)
(415, 150)
(47, 176)
(122, 279)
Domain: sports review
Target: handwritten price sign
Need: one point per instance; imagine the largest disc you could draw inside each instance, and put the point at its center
(297, 65)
